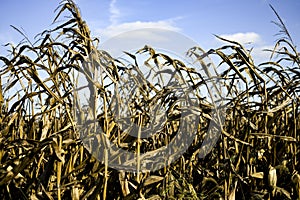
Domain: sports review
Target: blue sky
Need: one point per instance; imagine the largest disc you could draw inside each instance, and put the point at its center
(245, 21)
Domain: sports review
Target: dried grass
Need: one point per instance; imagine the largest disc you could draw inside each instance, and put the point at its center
(42, 156)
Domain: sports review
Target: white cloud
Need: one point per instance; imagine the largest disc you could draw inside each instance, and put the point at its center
(243, 38)
(158, 38)
(135, 34)
(260, 54)
(116, 29)
(250, 40)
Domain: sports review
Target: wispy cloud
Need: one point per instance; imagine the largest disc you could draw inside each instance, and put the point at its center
(118, 37)
(114, 12)
(243, 38)
(116, 28)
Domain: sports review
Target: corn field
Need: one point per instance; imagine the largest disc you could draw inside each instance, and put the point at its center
(42, 155)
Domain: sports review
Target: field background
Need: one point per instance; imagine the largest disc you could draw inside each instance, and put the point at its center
(42, 157)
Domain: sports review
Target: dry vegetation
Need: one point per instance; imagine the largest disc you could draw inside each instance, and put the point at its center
(42, 156)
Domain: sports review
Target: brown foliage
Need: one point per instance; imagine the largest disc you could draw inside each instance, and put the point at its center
(42, 156)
